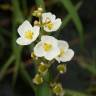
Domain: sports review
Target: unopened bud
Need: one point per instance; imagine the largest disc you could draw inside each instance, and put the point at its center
(42, 68)
(38, 79)
(40, 9)
(58, 90)
(61, 68)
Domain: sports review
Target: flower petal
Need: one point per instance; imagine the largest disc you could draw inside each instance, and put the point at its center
(57, 24)
(38, 51)
(48, 15)
(67, 56)
(23, 41)
(25, 26)
(35, 30)
(49, 39)
(63, 45)
(54, 53)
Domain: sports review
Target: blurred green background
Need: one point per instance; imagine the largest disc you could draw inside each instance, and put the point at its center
(78, 28)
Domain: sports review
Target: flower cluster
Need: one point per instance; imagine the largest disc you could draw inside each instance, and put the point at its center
(47, 47)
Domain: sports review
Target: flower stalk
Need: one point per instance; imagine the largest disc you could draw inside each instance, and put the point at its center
(47, 50)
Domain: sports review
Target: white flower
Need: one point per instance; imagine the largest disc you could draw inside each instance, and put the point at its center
(27, 33)
(50, 22)
(47, 47)
(66, 54)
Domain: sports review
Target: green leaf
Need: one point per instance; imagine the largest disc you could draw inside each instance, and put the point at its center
(17, 65)
(74, 93)
(17, 12)
(74, 16)
(5, 67)
(88, 65)
(17, 17)
(26, 76)
(67, 19)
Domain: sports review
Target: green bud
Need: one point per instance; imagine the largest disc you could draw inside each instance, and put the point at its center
(61, 68)
(58, 89)
(42, 68)
(37, 13)
(40, 9)
(38, 79)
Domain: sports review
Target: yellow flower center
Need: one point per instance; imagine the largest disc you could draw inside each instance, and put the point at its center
(48, 24)
(47, 47)
(28, 34)
(61, 52)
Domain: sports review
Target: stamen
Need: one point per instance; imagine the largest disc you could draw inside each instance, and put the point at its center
(47, 47)
(29, 34)
(48, 24)
(61, 53)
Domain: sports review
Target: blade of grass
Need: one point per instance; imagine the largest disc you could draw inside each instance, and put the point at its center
(26, 76)
(24, 5)
(17, 17)
(5, 67)
(17, 12)
(73, 13)
(74, 93)
(67, 19)
(88, 65)
(17, 65)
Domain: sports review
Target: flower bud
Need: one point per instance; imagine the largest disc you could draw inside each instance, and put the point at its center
(40, 9)
(61, 68)
(37, 13)
(37, 23)
(58, 89)
(38, 79)
(42, 68)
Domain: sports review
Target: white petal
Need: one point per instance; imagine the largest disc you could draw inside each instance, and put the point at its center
(58, 59)
(53, 54)
(48, 15)
(35, 30)
(57, 24)
(63, 45)
(49, 39)
(23, 41)
(67, 56)
(38, 51)
(25, 26)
